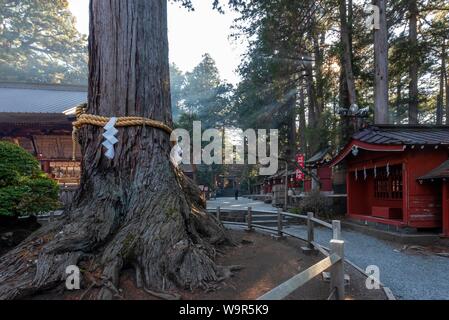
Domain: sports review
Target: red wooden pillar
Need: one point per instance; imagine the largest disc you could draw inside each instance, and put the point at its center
(405, 194)
(446, 208)
(45, 166)
(348, 192)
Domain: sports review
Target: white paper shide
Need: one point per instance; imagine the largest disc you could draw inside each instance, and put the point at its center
(110, 136)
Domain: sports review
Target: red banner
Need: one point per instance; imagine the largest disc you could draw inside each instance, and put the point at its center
(300, 160)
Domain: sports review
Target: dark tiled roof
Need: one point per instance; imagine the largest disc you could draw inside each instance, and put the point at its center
(25, 124)
(31, 98)
(320, 156)
(33, 118)
(438, 173)
(404, 135)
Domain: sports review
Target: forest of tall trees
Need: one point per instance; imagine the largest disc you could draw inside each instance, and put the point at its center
(307, 65)
(307, 61)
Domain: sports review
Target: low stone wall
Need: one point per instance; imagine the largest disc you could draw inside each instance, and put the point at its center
(66, 194)
(337, 204)
(234, 216)
(266, 198)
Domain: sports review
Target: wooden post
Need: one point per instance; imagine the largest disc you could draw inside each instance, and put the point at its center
(310, 230)
(219, 213)
(280, 225)
(337, 271)
(249, 219)
(445, 208)
(286, 187)
(336, 229)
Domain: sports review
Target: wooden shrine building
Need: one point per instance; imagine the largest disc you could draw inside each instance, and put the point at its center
(36, 117)
(398, 175)
(318, 165)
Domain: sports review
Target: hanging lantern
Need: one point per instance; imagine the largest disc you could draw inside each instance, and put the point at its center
(375, 171)
(388, 169)
(365, 174)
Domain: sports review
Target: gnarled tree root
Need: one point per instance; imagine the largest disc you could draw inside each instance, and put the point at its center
(166, 236)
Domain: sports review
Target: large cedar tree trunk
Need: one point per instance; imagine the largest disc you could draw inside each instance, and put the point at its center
(347, 53)
(135, 211)
(347, 84)
(381, 66)
(413, 69)
(440, 100)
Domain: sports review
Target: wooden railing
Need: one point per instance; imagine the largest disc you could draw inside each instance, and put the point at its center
(334, 260)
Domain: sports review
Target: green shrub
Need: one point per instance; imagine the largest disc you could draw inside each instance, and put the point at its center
(24, 188)
(318, 204)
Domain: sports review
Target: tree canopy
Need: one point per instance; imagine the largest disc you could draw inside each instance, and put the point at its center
(295, 73)
(39, 43)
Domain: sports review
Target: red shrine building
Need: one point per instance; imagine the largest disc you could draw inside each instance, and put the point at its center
(35, 117)
(399, 176)
(318, 165)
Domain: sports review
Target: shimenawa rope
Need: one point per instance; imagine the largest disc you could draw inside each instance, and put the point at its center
(89, 119)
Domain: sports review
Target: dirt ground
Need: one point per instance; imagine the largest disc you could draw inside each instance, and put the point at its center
(267, 263)
(13, 231)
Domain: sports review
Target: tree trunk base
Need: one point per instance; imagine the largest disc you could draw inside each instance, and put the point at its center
(165, 235)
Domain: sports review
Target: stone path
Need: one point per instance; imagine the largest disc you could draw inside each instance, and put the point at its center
(409, 276)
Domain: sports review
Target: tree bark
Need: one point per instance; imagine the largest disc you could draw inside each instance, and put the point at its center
(292, 147)
(137, 210)
(446, 77)
(440, 100)
(318, 40)
(381, 66)
(398, 101)
(413, 72)
(302, 120)
(347, 53)
(311, 96)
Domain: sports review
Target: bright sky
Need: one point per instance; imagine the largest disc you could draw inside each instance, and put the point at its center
(191, 34)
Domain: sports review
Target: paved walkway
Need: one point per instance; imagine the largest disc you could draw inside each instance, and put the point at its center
(408, 276)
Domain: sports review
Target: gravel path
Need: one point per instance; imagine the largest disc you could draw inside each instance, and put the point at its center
(409, 276)
(241, 203)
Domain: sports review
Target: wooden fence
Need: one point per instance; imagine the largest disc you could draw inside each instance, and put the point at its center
(333, 262)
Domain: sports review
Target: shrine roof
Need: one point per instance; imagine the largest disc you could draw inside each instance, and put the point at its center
(40, 98)
(33, 118)
(393, 138)
(25, 124)
(440, 172)
(404, 135)
(320, 157)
